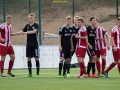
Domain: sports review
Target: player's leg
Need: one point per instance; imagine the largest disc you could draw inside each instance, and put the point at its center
(3, 53)
(80, 53)
(113, 64)
(36, 54)
(61, 62)
(89, 62)
(67, 57)
(98, 66)
(11, 62)
(103, 56)
(94, 75)
(68, 60)
(29, 56)
(116, 55)
(2, 65)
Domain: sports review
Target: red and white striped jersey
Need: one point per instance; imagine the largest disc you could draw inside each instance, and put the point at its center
(80, 42)
(5, 34)
(100, 33)
(115, 33)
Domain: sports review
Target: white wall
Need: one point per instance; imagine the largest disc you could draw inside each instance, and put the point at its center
(49, 57)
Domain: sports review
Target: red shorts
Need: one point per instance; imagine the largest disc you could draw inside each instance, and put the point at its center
(4, 50)
(116, 54)
(81, 52)
(101, 52)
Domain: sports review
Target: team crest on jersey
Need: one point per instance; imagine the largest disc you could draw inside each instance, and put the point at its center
(70, 30)
(33, 28)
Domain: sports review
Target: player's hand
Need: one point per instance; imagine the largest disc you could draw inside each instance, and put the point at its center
(60, 48)
(108, 47)
(100, 39)
(90, 46)
(3, 40)
(72, 48)
(24, 33)
(115, 49)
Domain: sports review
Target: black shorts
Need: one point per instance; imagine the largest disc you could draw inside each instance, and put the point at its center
(32, 51)
(65, 53)
(91, 52)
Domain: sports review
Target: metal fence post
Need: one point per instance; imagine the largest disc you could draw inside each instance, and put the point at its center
(116, 8)
(39, 17)
(4, 9)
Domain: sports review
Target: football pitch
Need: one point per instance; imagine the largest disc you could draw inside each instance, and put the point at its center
(49, 81)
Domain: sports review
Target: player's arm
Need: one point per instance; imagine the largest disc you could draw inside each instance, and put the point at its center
(113, 44)
(89, 45)
(108, 40)
(32, 31)
(17, 33)
(59, 43)
(96, 38)
(81, 37)
(71, 41)
(59, 39)
(112, 40)
(1, 39)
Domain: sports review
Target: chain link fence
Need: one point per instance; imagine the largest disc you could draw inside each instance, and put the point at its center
(53, 13)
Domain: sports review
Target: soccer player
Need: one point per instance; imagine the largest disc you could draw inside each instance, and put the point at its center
(91, 34)
(101, 47)
(65, 45)
(115, 39)
(81, 46)
(32, 47)
(74, 32)
(6, 46)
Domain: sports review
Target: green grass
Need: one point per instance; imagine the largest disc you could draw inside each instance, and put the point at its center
(49, 81)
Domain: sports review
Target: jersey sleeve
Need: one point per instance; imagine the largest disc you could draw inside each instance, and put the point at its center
(36, 27)
(60, 31)
(84, 31)
(25, 29)
(112, 33)
(104, 31)
(2, 27)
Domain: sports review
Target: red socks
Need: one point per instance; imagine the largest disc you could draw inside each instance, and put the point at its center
(2, 66)
(98, 66)
(82, 68)
(103, 65)
(10, 66)
(119, 67)
(110, 67)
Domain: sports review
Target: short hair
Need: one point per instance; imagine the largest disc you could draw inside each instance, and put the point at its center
(8, 17)
(31, 14)
(92, 18)
(68, 18)
(97, 19)
(118, 18)
(80, 19)
(76, 17)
